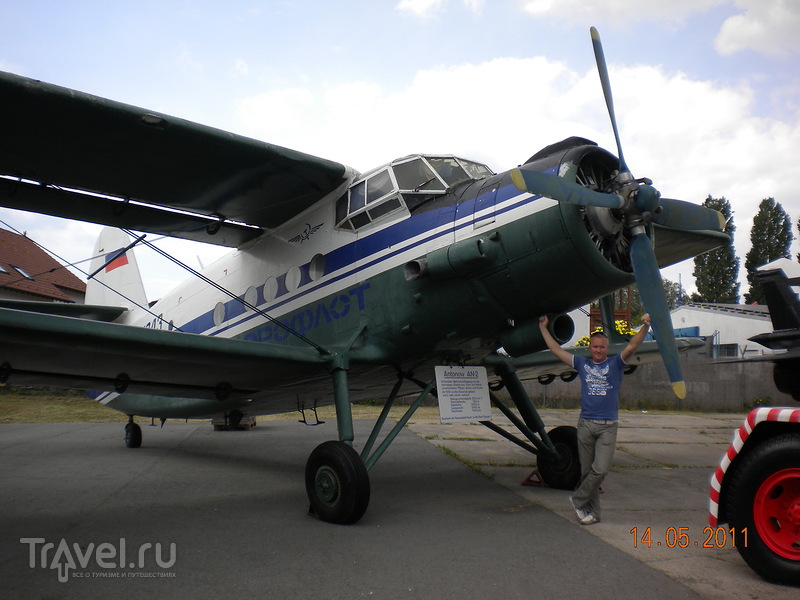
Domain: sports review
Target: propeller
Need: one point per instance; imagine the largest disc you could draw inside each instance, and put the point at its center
(638, 203)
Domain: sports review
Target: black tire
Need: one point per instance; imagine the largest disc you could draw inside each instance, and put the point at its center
(133, 435)
(764, 497)
(337, 483)
(561, 473)
(546, 379)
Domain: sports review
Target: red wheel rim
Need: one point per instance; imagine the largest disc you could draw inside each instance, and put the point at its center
(776, 512)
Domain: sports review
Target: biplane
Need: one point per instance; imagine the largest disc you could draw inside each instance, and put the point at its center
(341, 285)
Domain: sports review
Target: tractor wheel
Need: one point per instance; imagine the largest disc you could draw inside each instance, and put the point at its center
(337, 483)
(764, 499)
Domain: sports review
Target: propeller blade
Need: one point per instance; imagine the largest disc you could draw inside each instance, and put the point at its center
(651, 290)
(680, 214)
(605, 81)
(563, 190)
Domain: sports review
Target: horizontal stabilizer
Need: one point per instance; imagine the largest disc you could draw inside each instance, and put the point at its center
(80, 311)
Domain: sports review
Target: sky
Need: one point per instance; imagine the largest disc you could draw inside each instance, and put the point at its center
(707, 92)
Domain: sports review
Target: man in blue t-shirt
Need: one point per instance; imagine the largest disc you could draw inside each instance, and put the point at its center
(601, 377)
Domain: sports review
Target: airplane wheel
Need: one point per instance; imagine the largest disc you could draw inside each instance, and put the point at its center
(133, 435)
(337, 483)
(764, 498)
(564, 472)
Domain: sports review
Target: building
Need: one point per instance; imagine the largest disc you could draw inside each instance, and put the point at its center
(729, 326)
(29, 273)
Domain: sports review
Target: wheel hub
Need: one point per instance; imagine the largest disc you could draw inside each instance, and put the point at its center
(327, 485)
(793, 512)
(776, 512)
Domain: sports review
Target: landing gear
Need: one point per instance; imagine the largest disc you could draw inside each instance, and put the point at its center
(562, 472)
(337, 483)
(133, 434)
(764, 500)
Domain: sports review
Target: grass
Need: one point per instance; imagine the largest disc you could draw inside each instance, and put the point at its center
(49, 406)
(19, 405)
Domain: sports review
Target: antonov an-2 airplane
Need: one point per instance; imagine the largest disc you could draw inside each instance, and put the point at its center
(343, 285)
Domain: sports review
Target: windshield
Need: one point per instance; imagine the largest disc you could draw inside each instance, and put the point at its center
(402, 185)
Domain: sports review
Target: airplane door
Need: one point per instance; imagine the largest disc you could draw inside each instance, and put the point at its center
(483, 211)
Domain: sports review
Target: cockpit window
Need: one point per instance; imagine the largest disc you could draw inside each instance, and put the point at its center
(417, 176)
(450, 170)
(402, 185)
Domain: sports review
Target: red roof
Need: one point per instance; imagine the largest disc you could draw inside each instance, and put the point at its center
(26, 268)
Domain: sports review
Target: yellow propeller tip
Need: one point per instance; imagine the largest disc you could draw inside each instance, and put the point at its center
(595, 34)
(679, 387)
(518, 180)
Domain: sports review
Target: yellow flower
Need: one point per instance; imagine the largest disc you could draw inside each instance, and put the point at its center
(621, 327)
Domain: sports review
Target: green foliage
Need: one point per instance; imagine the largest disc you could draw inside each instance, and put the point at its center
(673, 292)
(771, 237)
(716, 272)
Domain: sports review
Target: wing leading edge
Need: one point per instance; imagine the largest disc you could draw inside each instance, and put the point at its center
(78, 156)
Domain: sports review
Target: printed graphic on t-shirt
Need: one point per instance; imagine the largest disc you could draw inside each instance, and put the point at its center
(596, 379)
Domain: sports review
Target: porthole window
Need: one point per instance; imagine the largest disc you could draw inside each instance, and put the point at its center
(219, 314)
(270, 289)
(293, 278)
(251, 297)
(317, 267)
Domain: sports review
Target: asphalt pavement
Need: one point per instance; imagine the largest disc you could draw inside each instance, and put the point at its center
(221, 514)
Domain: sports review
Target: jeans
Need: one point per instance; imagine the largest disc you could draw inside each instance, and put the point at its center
(596, 444)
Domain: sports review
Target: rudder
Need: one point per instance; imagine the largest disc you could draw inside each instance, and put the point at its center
(117, 280)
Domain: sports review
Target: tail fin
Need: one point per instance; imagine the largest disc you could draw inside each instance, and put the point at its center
(776, 278)
(116, 280)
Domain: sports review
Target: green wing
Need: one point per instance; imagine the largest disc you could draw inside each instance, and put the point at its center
(80, 354)
(77, 156)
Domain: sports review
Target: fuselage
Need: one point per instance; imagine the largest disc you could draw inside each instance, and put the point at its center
(498, 257)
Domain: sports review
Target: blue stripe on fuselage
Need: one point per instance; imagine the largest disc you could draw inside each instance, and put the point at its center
(339, 259)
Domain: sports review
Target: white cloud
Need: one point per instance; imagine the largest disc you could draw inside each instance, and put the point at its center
(766, 27)
(420, 8)
(241, 67)
(187, 61)
(427, 8)
(692, 137)
(618, 11)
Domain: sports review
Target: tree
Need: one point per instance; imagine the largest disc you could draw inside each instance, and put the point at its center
(672, 290)
(770, 237)
(716, 272)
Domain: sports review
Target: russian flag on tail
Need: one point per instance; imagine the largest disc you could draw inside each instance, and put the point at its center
(114, 259)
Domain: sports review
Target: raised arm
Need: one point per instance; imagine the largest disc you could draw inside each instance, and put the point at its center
(552, 344)
(636, 340)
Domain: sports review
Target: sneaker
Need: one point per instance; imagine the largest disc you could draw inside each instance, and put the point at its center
(578, 511)
(588, 519)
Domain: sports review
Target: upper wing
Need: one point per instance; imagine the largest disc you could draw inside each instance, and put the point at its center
(74, 155)
(76, 353)
(674, 245)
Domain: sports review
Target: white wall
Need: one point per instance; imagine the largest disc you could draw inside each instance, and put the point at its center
(732, 328)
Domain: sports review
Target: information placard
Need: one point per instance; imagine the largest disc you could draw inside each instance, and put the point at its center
(463, 394)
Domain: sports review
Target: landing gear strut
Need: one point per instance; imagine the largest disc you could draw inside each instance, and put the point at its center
(337, 482)
(556, 452)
